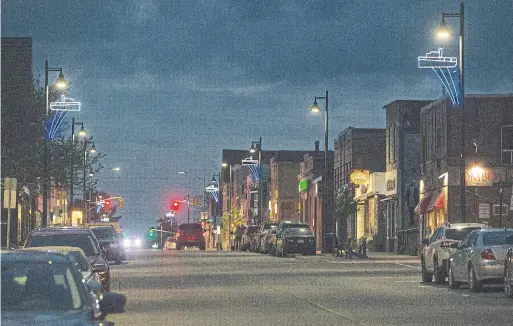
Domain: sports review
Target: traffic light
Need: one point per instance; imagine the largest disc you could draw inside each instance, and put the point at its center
(106, 206)
(121, 202)
(195, 201)
(176, 205)
(151, 234)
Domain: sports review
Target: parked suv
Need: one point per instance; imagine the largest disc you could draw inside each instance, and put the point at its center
(435, 254)
(110, 242)
(190, 235)
(82, 238)
(248, 237)
(281, 227)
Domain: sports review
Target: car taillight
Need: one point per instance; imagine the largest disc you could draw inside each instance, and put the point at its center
(488, 254)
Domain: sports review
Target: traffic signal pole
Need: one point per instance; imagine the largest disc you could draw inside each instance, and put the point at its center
(188, 210)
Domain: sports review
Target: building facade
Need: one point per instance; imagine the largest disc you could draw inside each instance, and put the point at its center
(356, 148)
(402, 173)
(488, 148)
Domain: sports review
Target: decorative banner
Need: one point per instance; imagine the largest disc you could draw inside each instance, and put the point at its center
(359, 177)
(53, 124)
(66, 104)
(445, 69)
(214, 191)
(253, 166)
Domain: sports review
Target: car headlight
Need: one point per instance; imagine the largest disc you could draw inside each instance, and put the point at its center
(138, 242)
(126, 243)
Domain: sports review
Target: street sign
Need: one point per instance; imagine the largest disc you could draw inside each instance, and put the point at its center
(10, 185)
(484, 210)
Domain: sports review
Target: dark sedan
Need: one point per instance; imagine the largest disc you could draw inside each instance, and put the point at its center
(110, 242)
(295, 241)
(82, 238)
(41, 288)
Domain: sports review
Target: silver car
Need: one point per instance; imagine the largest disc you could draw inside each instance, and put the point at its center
(479, 259)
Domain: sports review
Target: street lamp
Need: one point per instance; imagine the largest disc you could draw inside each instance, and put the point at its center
(257, 146)
(92, 150)
(81, 134)
(216, 208)
(444, 33)
(315, 109)
(60, 84)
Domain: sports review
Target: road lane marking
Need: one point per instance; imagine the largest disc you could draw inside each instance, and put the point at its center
(409, 266)
(406, 281)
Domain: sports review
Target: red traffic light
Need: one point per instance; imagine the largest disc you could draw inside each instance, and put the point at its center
(107, 205)
(176, 205)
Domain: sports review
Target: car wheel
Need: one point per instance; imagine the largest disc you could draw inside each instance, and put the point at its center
(473, 284)
(451, 280)
(178, 247)
(426, 277)
(438, 272)
(508, 289)
(202, 247)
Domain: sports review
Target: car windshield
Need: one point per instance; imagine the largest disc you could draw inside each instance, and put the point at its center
(459, 234)
(80, 261)
(496, 237)
(36, 286)
(298, 231)
(190, 227)
(104, 233)
(82, 241)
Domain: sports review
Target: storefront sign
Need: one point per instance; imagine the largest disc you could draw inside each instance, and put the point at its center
(359, 177)
(479, 176)
(303, 185)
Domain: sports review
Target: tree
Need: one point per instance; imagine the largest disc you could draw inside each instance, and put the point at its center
(236, 219)
(344, 207)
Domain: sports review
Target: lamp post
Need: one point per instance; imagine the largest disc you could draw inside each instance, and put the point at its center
(444, 32)
(314, 109)
(60, 84)
(92, 150)
(81, 134)
(229, 205)
(204, 187)
(216, 209)
(257, 146)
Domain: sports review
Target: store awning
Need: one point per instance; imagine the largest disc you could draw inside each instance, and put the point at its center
(423, 204)
(436, 202)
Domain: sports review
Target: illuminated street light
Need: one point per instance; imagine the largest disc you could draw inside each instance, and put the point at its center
(315, 107)
(61, 83)
(92, 150)
(82, 132)
(443, 30)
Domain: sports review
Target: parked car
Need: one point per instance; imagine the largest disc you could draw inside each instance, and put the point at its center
(508, 269)
(435, 254)
(110, 243)
(299, 240)
(190, 235)
(248, 237)
(82, 238)
(282, 226)
(45, 288)
(80, 261)
(479, 258)
(259, 237)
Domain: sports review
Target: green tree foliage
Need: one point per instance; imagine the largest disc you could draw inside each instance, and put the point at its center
(344, 207)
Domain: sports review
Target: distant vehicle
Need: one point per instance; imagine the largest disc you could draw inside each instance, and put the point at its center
(170, 243)
(299, 240)
(282, 226)
(43, 288)
(190, 235)
(82, 238)
(248, 237)
(80, 261)
(110, 242)
(259, 237)
(115, 225)
(267, 240)
(435, 254)
(508, 269)
(479, 258)
(132, 242)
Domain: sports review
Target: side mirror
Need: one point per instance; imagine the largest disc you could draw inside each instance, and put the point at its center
(425, 241)
(112, 302)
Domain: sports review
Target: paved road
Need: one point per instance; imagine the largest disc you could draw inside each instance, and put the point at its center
(233, 288)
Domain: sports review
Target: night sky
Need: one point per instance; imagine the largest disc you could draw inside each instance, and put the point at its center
(166, 85)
